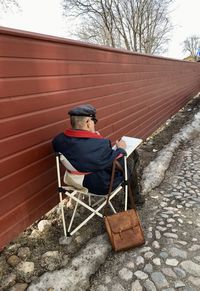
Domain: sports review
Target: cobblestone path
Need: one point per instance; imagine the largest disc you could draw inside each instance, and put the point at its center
(170, 259)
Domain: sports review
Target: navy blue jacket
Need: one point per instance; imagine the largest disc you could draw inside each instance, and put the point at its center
(91, 153)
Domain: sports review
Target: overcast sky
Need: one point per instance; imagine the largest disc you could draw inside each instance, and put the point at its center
(45, 16)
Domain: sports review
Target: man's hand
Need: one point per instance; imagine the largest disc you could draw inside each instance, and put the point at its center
(120, 143)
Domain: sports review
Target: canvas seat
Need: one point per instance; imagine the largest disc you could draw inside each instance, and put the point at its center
(73, 189)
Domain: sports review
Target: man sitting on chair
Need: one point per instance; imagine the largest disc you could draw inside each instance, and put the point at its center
(92, 154)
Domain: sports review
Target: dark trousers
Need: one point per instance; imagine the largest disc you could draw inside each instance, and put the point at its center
(132, 164)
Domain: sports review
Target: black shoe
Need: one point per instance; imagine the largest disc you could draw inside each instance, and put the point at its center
(129, 207)
(139, 200)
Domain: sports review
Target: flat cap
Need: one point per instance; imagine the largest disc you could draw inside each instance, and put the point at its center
(83, 110)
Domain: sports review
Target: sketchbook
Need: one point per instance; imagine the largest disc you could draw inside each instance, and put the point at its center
(131, 143)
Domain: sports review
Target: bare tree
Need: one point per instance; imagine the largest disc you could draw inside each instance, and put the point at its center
(5, 5)
(191, 45)
(138, 25)
(96, 21)
(96, 32)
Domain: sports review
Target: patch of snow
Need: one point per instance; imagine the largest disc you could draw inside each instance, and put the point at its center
(154, 173)
(75, 276)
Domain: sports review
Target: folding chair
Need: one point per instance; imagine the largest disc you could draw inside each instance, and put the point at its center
(75, 190)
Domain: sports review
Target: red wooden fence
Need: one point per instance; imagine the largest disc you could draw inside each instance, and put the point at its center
(41, 77)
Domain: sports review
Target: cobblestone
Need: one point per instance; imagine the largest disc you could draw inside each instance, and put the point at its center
(170, 260)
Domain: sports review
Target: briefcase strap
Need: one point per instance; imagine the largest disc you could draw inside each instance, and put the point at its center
(110, 187)
(117, 165)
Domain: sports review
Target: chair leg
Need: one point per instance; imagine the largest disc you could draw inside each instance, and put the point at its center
(83, 204)
(60, 194)
(73, 215)
(99, 201)
(126, 183)
(94, 212)
(89, 200)
(63, 214)
(112, 207)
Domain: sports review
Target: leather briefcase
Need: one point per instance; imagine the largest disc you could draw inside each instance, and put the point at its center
(124, 230)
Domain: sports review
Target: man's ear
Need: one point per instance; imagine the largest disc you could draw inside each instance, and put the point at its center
(87, 123)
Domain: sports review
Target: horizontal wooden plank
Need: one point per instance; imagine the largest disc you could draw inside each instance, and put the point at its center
(24, 175)
(57, 48)
(145, 119)
(13, 223)
(22, 159)
(25, 191)
(26, 122)
(31, 85)
(41, 135)
(147, 107)
(31, 103)
(17, 143)
(44, 117)
(22, 67)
